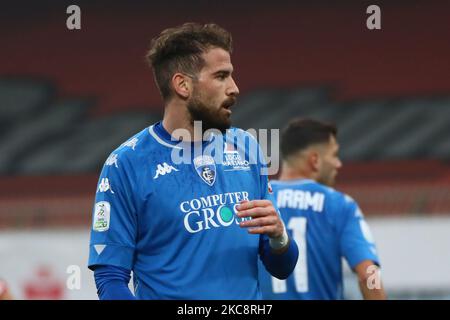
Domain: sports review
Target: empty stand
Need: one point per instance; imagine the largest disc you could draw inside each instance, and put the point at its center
(30, 134)
(45, 135)
(85, 147)
(22, 99)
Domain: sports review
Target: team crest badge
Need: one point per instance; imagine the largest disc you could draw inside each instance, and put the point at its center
(206, 168)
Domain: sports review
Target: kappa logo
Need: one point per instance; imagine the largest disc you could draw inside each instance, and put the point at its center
(131, 143)
(163, 169)
(112, 160)
(206, 168)
(104, 186)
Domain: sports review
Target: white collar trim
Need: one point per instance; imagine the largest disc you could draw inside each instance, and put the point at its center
(159, 140)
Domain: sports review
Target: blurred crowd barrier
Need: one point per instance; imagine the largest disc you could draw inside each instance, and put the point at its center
(375, 200)
(406, 188)
(42, 264)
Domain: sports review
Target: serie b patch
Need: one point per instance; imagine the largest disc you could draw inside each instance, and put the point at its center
(101, 219)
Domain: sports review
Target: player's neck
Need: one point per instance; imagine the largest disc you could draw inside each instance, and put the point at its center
(176, 117)
(294, 173)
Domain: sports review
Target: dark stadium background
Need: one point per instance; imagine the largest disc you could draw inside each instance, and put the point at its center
(68, 98)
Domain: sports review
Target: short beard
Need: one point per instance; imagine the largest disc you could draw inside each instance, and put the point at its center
(327, 180)
(210, 118)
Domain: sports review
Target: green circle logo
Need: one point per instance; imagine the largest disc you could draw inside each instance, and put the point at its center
(226, 214)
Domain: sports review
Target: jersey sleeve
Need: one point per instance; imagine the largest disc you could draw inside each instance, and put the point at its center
(114, 218)
(278, 265)
(356, 240)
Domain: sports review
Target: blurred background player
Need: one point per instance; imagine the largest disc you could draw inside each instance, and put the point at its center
(326, 224)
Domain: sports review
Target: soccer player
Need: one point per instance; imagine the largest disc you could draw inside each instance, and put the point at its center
(326, 224)
(193, 229)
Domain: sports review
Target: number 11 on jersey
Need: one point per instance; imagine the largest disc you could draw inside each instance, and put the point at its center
(298, 227)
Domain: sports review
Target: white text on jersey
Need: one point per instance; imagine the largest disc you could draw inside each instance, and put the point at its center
(212, 211)
(299, 199)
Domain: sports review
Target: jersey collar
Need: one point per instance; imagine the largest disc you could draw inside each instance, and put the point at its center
(160, 134)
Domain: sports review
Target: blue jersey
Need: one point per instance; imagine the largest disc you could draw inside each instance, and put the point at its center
(174, 224)
(327, 225)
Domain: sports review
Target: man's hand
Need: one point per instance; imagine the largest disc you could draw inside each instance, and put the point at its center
(265, 219)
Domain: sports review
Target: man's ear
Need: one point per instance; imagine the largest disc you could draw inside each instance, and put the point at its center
(314, 160)
(181, 85)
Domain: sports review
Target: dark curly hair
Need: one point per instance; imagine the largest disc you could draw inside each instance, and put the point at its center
(179, 49)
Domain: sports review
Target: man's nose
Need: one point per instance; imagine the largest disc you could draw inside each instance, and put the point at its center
(233, 89)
